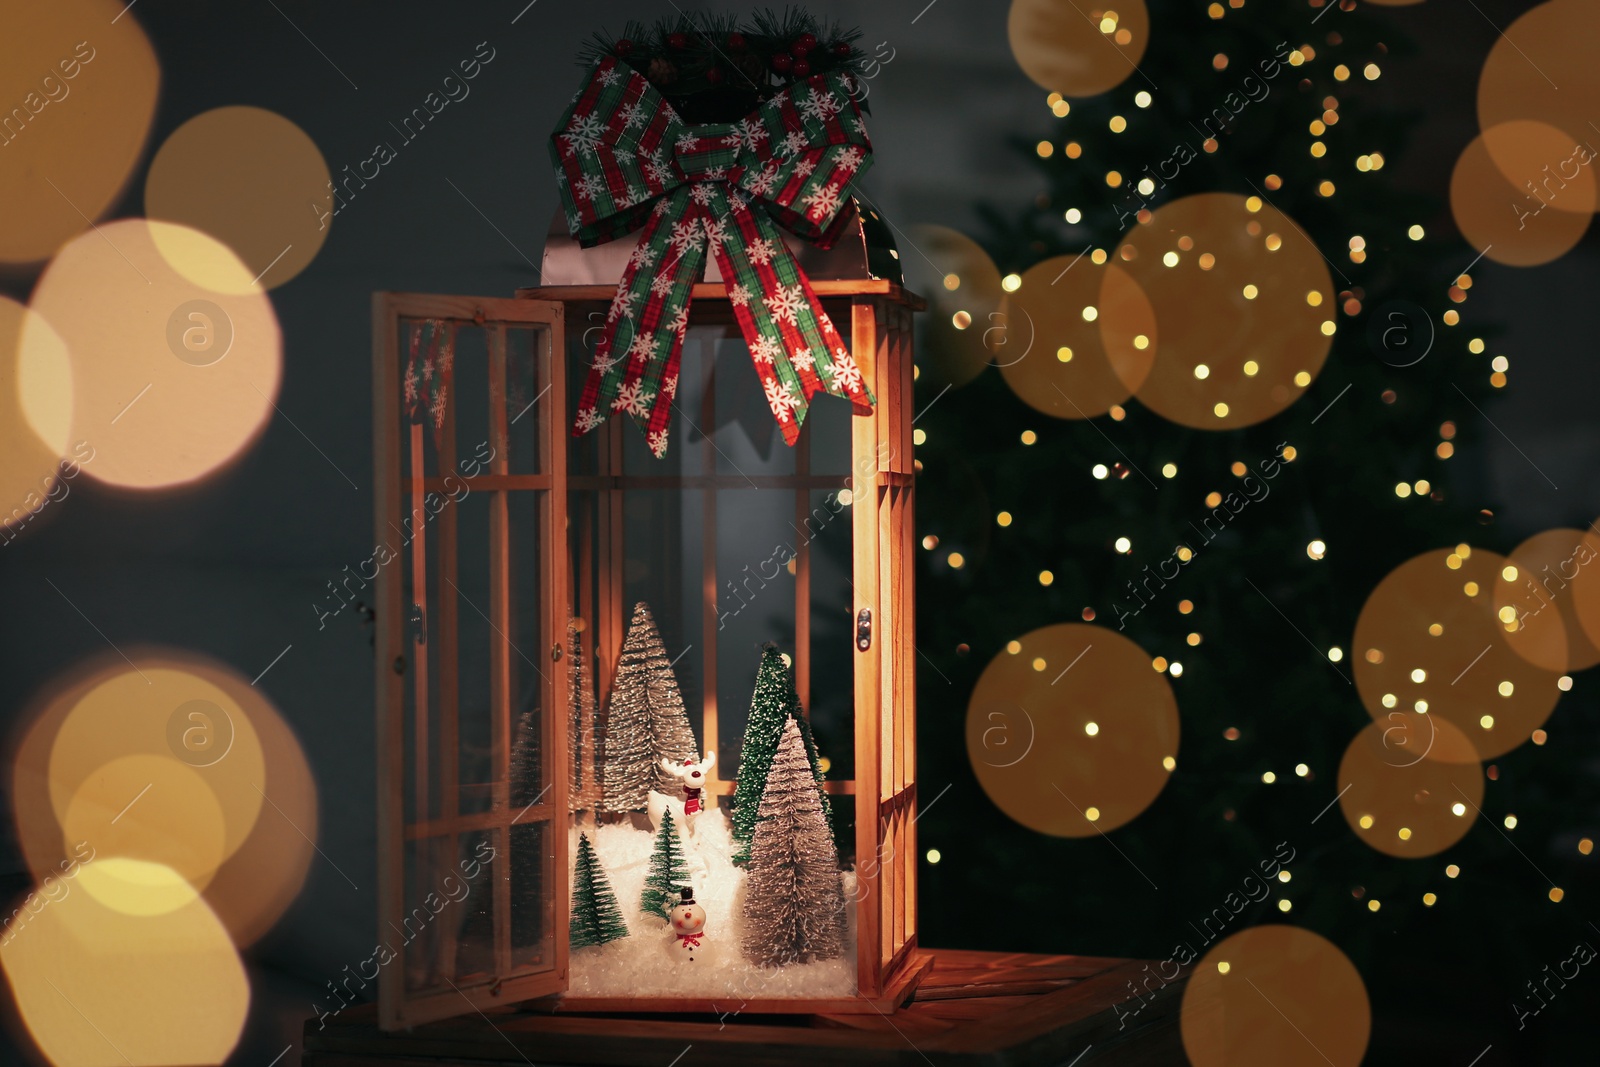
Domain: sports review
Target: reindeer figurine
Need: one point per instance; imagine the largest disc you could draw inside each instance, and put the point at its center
(694, 800)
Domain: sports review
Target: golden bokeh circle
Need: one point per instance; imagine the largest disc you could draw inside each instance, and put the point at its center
(1542, 67)
(1244, 305)
(1537, 601)
(96, 715)
(1067, 735)
(1275, 994)
(1586, 597)
(150, 809)
(162, 985)
(962, 287)
(157, 410)
(1078, 49)
(1091, 337)
(249, 178)
(35, 416)
(256, 885)
(1500, 215)
(1428, 633)
(1414, 784)
(79, 86)
(126, 714)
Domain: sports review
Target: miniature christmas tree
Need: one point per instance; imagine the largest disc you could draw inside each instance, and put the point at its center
(774, 702)
(583, 789)
(669, 872)
(794, 904)
(645, 722)
(596, 918)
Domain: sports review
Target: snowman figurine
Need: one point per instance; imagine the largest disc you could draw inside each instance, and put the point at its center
(688, 929)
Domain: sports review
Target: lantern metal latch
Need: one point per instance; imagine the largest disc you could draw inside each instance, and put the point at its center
(417, 624)
(864, 630)
(555, 652)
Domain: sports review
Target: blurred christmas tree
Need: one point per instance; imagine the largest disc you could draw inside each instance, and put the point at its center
(1157, 348)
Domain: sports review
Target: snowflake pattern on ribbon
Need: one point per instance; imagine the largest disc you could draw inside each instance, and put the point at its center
(719, 190)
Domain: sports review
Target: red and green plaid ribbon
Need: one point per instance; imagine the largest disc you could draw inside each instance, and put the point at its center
(625, 159)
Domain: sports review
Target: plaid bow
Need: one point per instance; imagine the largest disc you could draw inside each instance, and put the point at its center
(625, 159)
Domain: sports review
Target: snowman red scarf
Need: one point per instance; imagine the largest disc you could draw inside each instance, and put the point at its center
(690, 940)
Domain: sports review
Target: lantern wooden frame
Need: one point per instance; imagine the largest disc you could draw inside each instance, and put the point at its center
(888, 962)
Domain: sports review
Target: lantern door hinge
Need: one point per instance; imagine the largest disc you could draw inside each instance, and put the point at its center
(864, 630)
(417, 624)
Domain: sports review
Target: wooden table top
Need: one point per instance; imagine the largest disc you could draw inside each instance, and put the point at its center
(972, 1008)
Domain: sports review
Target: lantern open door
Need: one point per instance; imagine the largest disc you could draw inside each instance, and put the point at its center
(470, 469)
(733, 538)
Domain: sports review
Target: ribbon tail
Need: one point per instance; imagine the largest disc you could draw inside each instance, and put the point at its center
(626, 370)
(793, 342)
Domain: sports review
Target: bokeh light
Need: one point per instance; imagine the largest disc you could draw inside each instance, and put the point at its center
(1091, 333)
(1275, 994)
(1078, 51)
(1538, 595)
(35, 416)
(1541, 67)
(960, 333)
(1433, 618)
(249, 178)
(171, 379)
(1415, 784)
(176, 771)
(1028, 733)
(102, 980)
(1193, 260)
(1498, 211)
(85, 82)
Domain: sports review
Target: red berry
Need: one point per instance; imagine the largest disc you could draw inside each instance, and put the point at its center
(802, 69)
(782, 62)
(807, 41)
(714, 76)
(841, 48)
(678, 41)
(799, 49)
(622, 47)
(736, 42)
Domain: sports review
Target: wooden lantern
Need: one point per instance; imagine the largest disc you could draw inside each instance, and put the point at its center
(497, 529)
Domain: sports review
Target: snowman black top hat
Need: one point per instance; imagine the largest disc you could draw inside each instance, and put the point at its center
(688, 894)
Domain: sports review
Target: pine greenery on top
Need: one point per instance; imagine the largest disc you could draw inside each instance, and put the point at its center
(746, 60)
(645, 720)
(774, 703)
(596, 917)
(669, 870)
(794, 903)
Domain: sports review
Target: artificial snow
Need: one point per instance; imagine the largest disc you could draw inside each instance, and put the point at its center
(641, 963)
